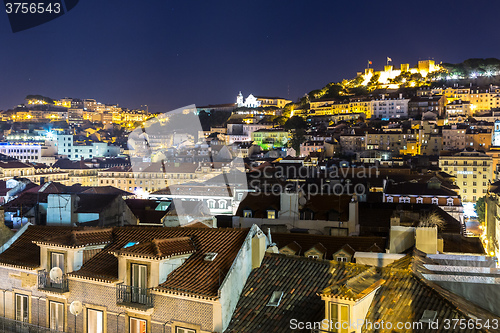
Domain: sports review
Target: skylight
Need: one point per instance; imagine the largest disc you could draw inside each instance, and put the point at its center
(275, 298)
(210, 256)
(129, 244)
(428, 316)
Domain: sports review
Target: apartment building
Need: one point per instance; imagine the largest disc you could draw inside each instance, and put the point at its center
(473, 170)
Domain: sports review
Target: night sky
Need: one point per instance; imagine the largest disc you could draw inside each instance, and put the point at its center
(168, 54)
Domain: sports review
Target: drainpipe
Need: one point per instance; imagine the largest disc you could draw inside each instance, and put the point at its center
(167, 322)
(117, 318)
(3, 310)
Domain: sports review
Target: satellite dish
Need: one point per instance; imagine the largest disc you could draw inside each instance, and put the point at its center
(56, 274)
(75, 308)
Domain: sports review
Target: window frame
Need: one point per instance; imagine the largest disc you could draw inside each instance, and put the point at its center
(51, 302)
(62, 254)
(26, 302)
(130, 318)
(87, 312)
(338, 316)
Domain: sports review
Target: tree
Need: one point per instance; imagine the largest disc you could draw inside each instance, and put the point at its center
(279, 120)
(295, 123)
(480, 207)
(297, 139)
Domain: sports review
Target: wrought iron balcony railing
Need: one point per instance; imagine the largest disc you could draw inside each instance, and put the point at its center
(134, 296)
(46, 283)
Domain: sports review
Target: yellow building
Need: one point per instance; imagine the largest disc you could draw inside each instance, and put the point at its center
(472, 170)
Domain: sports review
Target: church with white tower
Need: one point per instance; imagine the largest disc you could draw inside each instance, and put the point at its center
(250, 102)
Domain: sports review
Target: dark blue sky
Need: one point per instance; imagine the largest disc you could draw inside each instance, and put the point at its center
(168, 54)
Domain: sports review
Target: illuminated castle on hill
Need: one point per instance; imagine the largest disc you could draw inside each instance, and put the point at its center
(424, 67)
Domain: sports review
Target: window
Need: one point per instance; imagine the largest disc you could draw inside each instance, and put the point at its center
(222, 204)
(56, 316)
(313, 256)
(271, 214)
(211, 204)
(137, 325)
(57, 260)
(184, 330)
(339, 313)
(420, 200)
(275, 298)
(342, 258)
(139, 281)
(247, 213)
(434, 201)
(22, 312)
(95, 322)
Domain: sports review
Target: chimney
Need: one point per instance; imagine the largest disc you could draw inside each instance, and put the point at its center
(258, 248)
(426, 239)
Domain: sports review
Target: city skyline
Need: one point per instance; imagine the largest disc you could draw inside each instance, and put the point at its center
(170, 55)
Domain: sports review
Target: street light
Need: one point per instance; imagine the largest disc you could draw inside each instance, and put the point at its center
(75, 308)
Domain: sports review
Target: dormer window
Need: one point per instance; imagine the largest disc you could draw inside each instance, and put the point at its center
(420, 200)
(271, 214)
(389, 199)
(449, 201)
(340, 313)
(247, 213)
(435, 201)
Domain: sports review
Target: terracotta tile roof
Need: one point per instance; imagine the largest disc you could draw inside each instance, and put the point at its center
(79, 238)
(160, 248)
(406, 295)
(332, 244)
(300, 279)
(195, 276)
(355, 287)
(402, 295)
(24, 252)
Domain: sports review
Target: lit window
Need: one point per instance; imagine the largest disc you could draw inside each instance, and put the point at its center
(137, 325)
(94, 321)
(339, 313)
(56, 316)
(22, 312)
(271, 214)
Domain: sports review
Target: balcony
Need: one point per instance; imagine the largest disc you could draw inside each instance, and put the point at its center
(57, 286)
(15, 326)
(135, 297)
